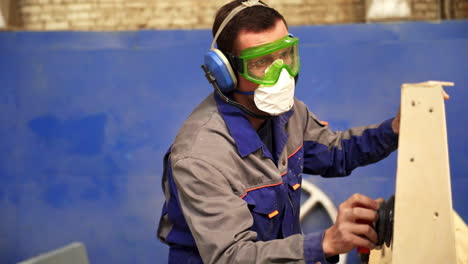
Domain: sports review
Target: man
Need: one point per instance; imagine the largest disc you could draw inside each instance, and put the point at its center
(232, 177)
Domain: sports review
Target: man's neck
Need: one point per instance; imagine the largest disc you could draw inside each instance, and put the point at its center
(245, 101)
(256, 123)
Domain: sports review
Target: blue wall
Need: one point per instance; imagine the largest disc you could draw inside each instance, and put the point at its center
(85, 119)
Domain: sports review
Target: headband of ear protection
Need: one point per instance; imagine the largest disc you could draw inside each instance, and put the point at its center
(215, 60)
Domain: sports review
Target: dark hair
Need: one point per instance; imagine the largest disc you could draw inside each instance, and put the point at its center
(254, 19)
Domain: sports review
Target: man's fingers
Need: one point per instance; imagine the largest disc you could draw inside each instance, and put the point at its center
(365, 215)
(359, 200)
(445, 94)
(380, 200)
(365, 231)
(362, 242)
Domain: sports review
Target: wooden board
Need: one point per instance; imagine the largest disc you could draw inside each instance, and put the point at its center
(384, 255)
(423, 229)
(461, 239)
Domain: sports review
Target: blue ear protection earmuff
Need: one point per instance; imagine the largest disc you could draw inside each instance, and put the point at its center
(219, 66)
(216, 62)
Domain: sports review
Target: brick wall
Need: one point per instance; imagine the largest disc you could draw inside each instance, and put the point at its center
(304, 12)
(460, 9)
(425, 9)
(4, 12)
(170, 14)
(116, 14)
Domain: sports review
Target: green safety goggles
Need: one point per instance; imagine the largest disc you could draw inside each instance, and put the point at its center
(263, 64)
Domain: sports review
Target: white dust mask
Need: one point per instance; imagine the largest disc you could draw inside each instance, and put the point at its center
(277, 98)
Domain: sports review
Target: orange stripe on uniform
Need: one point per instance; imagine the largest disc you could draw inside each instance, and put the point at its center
(325, 123)
(273, 214)
(296, 186)
(292, 154)
(256, 188)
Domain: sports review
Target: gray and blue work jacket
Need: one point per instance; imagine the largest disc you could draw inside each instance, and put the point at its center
(229, 200)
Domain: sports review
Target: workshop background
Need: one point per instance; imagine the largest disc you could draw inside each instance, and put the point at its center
(92, 93)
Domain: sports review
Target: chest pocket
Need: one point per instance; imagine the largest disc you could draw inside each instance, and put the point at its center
(293, 181)
(293, 185)
(296, 161)
(265, 205)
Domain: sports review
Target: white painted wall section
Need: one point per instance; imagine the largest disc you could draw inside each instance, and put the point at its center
(387, 9)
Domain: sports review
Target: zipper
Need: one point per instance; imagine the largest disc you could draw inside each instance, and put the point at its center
(291, 203)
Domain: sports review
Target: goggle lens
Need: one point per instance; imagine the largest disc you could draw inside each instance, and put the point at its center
(258, 60)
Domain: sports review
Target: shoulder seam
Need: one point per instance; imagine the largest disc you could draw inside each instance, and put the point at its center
(212, 113)
(202, 160)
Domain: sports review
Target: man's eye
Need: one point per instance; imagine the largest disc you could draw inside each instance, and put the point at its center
(286, 53)
(261, 62)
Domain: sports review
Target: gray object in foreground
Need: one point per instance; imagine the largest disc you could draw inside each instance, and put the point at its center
(74, 253)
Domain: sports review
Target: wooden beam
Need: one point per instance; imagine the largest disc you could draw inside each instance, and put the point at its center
(9, 15)
(4, 13)
(461, 239)
(384, 255)
(423, 229)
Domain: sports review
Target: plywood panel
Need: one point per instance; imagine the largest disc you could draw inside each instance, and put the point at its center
(423, 206)
(384, 255)
(461, 238)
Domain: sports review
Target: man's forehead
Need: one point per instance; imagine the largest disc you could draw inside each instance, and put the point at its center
(247, 39)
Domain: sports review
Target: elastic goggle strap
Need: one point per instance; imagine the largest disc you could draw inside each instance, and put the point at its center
(244, 93)
(234, 12)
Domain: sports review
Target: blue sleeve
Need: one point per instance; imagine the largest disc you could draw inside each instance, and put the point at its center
(333, 154)
(313, 251)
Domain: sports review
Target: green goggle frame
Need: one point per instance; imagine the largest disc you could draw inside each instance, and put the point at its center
(263, 64)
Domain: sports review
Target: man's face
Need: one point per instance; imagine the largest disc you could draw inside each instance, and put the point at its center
(248, 39)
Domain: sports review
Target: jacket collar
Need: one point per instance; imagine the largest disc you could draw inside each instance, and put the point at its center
(244, 134)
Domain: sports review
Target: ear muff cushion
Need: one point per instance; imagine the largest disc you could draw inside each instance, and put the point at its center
(219, 66)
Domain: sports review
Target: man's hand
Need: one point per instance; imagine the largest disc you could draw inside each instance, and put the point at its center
(349, 231)
(396, 120)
